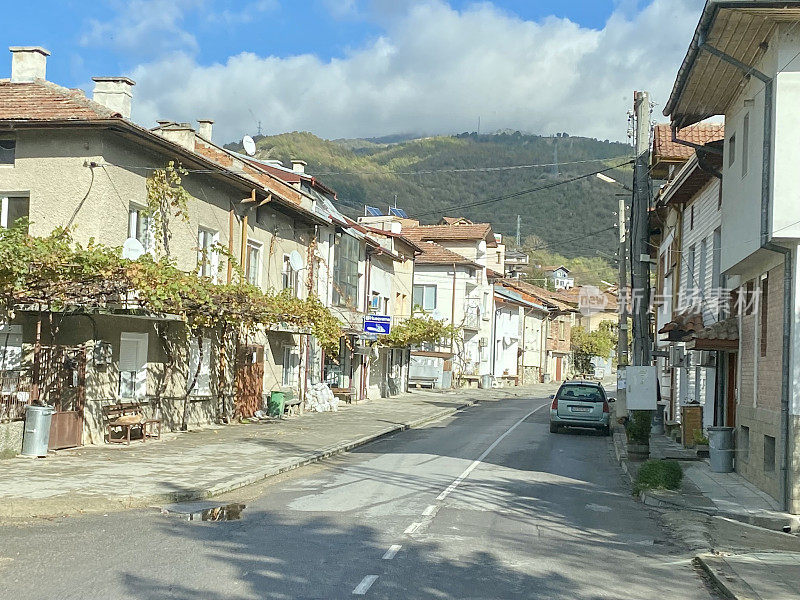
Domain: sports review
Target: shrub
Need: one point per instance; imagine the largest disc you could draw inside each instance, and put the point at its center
(638, 426)
(658, 474)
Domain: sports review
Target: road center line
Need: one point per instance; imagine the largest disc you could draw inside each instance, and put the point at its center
(412, 528)
(365, 584)
(429, 510)
(486, 452)
(390, 553)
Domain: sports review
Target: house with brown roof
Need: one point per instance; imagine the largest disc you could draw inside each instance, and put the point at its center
(70, 161)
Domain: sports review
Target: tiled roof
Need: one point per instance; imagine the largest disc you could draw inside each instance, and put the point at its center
(542, 294)
(722, 330)
(44, 101)
(472, 231)
(683, 323)
(702, 133)
(434, 254)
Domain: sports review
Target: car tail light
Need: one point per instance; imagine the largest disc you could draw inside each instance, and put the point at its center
(606, 407)
(554, 404)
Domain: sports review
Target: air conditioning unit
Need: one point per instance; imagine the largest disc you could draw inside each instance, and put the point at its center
(483, 342)
(677, 357)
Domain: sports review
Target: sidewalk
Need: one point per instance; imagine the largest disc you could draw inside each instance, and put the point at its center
(737, 526)
(200, 464)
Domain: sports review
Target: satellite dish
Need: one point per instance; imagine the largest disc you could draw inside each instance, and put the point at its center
(296, 260)
(249, 145)
(132, 249)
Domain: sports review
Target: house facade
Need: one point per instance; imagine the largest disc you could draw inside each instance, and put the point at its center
(750, 79)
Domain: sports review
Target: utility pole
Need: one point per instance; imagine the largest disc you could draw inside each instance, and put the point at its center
(640, 253)
(621, 406)
(519, 239)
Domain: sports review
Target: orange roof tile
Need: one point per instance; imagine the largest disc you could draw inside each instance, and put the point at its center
(44, 101)
(434, 254)
(472, 231)
(664, 149)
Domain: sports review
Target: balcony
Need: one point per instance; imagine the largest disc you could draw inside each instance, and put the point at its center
(471, 320)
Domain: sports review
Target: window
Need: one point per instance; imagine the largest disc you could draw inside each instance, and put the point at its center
(133, 365)
(743, 443)
(691, 217)
(375, 302)
(701, 275)
(716, 259)
(10, 347)
(8, 150)
(253, 266)
(769, 454)
(202, 387)
(12, 209)
(719, 197)
(731, 150)
(291, 366)
(207, 254)
(424, 296)
(690, 274)
(749, 297)
(764, 302)
(289, 277)
(745, 140)
(561, 331)
(347, 251)
(139, 225)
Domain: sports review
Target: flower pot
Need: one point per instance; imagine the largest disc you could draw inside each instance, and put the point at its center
(637, 451)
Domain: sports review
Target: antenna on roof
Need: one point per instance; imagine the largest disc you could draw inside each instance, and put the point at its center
(249, 145)
(257, 120)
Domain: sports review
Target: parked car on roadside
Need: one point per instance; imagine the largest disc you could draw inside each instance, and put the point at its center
(580, 404)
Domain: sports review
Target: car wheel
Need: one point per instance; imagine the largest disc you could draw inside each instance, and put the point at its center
(553, 428)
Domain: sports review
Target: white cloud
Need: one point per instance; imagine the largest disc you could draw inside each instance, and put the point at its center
(436, 70)
(144, 28)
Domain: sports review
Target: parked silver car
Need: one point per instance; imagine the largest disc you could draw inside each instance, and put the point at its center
(580, 404)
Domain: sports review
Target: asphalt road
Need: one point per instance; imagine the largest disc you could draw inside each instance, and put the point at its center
(485, 504)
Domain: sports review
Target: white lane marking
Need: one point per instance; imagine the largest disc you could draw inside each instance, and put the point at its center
(393, 549)
(477, 462)
(598, 507)
(365, 584)
(429, 510)
(412, 528)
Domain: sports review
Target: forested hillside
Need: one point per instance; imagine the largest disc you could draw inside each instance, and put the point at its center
(460, 175)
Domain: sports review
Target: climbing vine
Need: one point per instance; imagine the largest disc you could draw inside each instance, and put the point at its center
(417, 330)
(166, 198)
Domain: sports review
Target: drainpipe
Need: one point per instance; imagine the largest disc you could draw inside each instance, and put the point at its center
(767, 244)
(453, 313)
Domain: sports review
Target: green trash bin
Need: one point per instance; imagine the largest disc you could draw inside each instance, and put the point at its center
(275, 404)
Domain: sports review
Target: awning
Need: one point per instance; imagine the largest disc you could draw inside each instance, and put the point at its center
(723, 335)
(682, 325)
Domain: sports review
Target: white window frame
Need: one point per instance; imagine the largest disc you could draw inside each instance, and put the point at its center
(135, 216)
(290, 279)
(253, 276)
(426, 287)
(290, 373)
(133, 380)
(4, 208)
(202, 386)
(207, 259)
(11, 164)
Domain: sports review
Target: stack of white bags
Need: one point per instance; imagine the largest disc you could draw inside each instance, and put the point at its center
(320, 398)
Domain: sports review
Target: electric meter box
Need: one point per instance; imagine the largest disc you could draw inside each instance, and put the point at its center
(640, 383)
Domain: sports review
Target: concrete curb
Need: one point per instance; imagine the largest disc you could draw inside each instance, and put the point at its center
(725, 578)
(28, 508)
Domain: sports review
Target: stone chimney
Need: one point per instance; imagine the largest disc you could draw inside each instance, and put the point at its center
(204, 128)
(114, 93)
(28, 63)
(298, 166)
(178, 133)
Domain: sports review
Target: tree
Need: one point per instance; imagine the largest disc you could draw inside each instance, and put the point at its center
(586, 345)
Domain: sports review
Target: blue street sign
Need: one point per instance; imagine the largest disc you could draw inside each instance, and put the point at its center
(377, 324)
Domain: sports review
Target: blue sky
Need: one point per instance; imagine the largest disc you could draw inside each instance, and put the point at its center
(366, 67)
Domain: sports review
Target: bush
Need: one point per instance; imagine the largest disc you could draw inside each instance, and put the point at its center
(638, 426)
(658, 475)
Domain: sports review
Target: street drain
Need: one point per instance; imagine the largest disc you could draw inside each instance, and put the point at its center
(204, 511)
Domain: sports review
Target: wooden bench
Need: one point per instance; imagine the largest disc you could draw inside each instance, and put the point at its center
(348, 394)
(127, 416)
(290, 402)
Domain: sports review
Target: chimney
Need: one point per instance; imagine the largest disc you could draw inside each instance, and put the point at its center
(178, 133)
(298, 166)
(114, 93)
(28, 63)
(204, 128)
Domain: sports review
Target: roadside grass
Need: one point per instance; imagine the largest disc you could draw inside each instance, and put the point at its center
(658, 475)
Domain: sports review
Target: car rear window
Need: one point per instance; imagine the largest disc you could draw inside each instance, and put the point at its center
(586, 393)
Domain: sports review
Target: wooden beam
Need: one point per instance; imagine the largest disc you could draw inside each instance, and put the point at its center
(266, 200)
(243, 252)
(230, 243)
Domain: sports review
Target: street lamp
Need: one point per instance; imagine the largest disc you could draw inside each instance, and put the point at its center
(607, 179)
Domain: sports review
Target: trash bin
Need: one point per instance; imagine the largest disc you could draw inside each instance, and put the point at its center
(37, 430)
(486, 382)
(275, 404)
(720, 449)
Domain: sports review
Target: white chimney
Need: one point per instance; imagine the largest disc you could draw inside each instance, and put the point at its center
(298, 166)
(178, 133)
(28, 63)
(204, 128)
(114, 93)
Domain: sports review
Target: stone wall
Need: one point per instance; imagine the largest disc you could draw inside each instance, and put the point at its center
(11, 436)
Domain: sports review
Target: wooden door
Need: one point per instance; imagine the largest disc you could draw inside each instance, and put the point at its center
(249, 381)
(730, 391)
(61, 372)
(558, 368)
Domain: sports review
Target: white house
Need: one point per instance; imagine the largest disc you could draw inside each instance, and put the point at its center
(559, 277)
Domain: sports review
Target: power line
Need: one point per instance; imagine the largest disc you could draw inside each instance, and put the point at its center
(524, 192)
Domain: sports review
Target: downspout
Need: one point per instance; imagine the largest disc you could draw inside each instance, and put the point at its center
(768, 244)
(453, 313)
